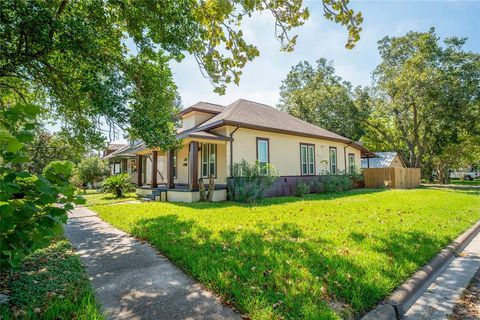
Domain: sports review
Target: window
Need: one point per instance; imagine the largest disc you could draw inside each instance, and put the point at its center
(263, 156)
(333, 160)
(351, 163)
(307, 159)
(209, 160)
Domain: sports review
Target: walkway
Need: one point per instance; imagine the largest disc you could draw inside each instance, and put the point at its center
(132, 280)
(438, 300)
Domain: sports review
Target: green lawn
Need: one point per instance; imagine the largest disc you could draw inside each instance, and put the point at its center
(51, 284)
(320, 257)
(466, 182)
(95, 198)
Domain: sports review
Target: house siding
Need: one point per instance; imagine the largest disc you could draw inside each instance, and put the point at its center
(285, 151)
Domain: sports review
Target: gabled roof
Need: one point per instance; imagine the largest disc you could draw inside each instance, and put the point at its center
(254, 115)
(205, 107)
(383, 160)
(124, 151)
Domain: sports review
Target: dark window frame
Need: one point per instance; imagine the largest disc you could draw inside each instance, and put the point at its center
(267, 140)
(307, 145)
(208, 160)
(349, 167)
(330, 159)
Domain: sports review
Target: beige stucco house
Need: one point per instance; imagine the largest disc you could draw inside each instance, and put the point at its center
(215, 137)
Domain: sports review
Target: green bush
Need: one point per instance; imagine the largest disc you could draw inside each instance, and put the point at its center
(32, 208)
(301, 189)
(118, 185)
(334, 183)
(58, 172)
(249, 182)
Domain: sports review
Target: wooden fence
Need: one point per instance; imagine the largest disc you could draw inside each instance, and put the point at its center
(396, 178)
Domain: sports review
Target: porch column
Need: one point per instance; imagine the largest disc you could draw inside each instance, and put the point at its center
(193, 165)
(171, 182)
(139, 170)
(154, 168)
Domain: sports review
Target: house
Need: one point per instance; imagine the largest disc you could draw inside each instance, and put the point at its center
(122, 160)
(384, 160)
(215, 137)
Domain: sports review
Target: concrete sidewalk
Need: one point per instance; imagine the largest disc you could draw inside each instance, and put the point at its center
(132, 280)
(438, 300)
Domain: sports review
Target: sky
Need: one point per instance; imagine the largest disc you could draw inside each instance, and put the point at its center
(320, 38)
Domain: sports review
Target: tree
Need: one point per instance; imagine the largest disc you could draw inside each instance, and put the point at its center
(71, 56)
(320, 97)
(425, 97)
(92, 170)
(47, 147)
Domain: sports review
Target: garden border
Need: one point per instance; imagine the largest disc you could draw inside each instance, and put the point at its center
(408, 292)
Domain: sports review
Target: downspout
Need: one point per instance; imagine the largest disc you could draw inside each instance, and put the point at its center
(231, 149)
(345, 155)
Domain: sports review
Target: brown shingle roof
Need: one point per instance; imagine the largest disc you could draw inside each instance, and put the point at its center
(249, 114)
(203, 107)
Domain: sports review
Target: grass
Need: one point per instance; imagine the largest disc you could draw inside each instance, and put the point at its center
(51, 284)
(95, 198)
(466, 182)
(319, 257)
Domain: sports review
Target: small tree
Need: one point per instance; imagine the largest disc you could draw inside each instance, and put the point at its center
(118, 185)
(92, 170)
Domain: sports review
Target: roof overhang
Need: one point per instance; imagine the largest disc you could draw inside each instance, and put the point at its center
(352, 143)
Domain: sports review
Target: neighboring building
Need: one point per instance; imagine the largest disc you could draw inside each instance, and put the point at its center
(112, 147)
(384, 160)
(122, 160)
(215, 137)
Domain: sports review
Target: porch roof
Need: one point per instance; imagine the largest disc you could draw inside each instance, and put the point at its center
(123, 152)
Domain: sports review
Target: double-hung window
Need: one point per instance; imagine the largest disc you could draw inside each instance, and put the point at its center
(333, 160)
(209, 160)
(307, 159)
(263, 156)
(351, 163)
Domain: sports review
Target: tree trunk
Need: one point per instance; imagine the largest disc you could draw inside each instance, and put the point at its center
(211, 188)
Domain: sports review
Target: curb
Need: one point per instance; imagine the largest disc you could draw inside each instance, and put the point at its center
(408, 292)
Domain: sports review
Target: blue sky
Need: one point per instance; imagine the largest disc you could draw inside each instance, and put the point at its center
(321, 38)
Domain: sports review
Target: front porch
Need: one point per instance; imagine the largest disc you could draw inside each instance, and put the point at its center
(174, 175)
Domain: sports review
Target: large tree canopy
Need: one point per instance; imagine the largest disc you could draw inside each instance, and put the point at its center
(426, 96)
(318, 96)
(71, 56)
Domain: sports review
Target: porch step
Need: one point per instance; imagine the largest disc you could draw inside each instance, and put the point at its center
(147, 199)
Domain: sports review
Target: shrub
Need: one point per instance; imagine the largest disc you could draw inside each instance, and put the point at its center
(301, 189)
(118, 185)
(249, 182)
(32, 208)
(92, 170)
(335, 183)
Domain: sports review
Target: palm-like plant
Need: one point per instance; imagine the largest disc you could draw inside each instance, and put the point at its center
(118, 185)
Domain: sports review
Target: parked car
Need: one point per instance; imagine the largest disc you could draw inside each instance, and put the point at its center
(465, 175)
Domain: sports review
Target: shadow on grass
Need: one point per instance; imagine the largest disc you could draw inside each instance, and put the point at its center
(276, 270)
(278, 200)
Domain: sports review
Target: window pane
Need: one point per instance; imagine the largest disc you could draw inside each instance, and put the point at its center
(204, 170)
(310, 154)
(262, 151)
(304, 154)
(205, 152)
(304, 168)
(312, 168)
